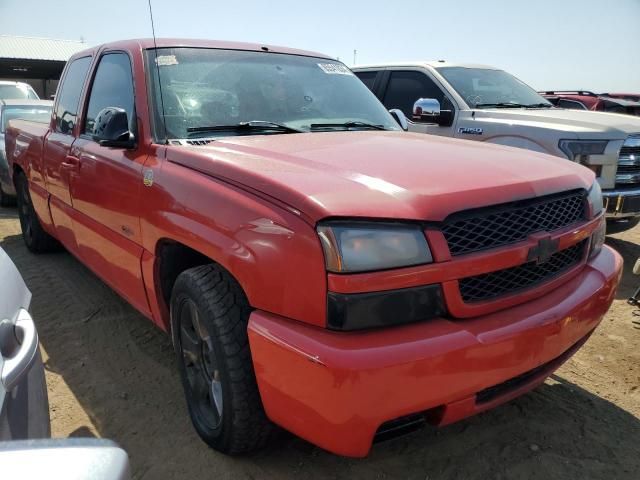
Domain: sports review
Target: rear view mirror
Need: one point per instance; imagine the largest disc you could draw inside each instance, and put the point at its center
(399, 116)
(111, 128)
(427, 110)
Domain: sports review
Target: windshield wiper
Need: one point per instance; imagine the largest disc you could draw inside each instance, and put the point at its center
(243, 126)
(539, 105)
(512, 105)
(500, 105)
(347, 125)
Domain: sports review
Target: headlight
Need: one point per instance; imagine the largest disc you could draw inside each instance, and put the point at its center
(595, 199)
(576, 148)
(363, 247)
(598, 238)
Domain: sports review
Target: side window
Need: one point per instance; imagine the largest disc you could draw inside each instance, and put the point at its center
(368, 78)
(112, 87)
(69, 95)
(571, 104)
(405, 87)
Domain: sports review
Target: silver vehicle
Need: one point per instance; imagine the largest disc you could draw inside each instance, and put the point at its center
(486, 104)
(34, 110)
(24, 406)
(19, 90)
(64, 459)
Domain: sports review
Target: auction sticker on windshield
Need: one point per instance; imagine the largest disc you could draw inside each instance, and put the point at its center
(164, 60)
(335, 69)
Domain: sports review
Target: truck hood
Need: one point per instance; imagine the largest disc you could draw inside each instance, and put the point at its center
(583, 124)
(393, 175)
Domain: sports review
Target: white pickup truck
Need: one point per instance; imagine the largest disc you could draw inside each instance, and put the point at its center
(477, 102)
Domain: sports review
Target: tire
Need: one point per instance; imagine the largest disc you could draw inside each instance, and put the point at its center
(209, 315)
(34, 236)
(617, 226)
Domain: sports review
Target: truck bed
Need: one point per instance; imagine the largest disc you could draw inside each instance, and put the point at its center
(24, 141)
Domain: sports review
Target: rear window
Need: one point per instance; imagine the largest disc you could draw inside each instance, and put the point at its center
(41, 114)
(19, 91)
(69, 95)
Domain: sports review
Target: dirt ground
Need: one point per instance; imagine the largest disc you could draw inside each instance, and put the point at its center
(111, 374)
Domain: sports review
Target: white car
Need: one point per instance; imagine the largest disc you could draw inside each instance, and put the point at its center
(16, 90)
(24, 406)
(486, 104)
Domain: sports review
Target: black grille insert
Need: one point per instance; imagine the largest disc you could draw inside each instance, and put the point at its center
(491, 285)
(626, 169)
(485, 228)
(625, 151)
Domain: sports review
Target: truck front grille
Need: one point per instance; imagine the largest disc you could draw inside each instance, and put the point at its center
(492, 285)
(484, 228)
(628, 173)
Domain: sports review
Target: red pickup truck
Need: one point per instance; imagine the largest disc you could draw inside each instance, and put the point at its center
(627, 103)
(317, 267)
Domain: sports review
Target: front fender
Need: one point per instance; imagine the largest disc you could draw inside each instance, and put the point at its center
(274, 254)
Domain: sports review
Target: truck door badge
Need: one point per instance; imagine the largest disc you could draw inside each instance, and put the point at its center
(470, 130)
(148, 178)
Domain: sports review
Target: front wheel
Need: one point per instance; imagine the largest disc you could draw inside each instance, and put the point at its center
(209, 315)
(36, 239)
(621, 225)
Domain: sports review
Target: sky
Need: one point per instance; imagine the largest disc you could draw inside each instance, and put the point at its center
(549, 44)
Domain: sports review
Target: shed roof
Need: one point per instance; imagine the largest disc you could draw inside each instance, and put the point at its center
(32, 48)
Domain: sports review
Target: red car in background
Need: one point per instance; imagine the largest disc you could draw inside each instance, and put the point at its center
(626, 103)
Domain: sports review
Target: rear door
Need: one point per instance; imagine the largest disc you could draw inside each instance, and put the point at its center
(106, 189)
(59, 164)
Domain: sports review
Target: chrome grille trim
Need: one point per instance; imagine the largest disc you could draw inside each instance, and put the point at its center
(628, 172)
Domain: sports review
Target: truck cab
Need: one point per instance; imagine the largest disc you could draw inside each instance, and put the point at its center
(486, 104)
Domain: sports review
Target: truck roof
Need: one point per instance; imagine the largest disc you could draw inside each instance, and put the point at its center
(423, 63)
(150, 43)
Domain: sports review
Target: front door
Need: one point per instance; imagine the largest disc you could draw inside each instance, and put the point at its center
(405, 87)
(106, 189)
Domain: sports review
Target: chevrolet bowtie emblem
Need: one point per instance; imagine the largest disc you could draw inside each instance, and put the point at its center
(543, 251)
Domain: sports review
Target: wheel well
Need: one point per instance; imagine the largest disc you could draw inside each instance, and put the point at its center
(173, 259)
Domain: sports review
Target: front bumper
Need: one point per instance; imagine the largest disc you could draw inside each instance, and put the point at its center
(336, 389)
(622, 203)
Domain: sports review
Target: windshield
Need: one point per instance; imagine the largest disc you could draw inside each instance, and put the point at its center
(41, 114)
(204, 87)
(17, 91)
(481, 87)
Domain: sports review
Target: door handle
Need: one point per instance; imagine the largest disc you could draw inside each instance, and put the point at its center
(71, 163)
(20, 363)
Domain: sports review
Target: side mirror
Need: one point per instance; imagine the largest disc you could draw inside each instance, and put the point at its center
(427, 110)
(399, 116)
(111, 128)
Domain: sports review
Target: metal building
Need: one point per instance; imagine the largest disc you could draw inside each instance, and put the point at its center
(37, 61)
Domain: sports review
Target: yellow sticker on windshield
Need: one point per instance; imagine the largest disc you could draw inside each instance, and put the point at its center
(335, 69)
